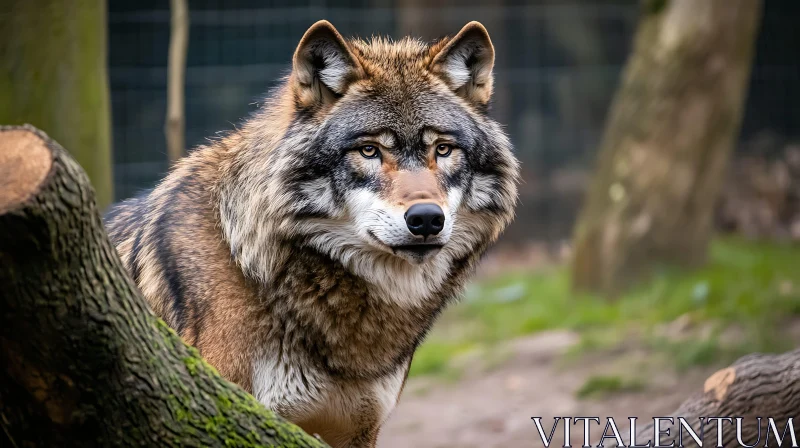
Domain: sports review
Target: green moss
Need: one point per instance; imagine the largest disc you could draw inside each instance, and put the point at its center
(191, 365)
(233, 404)
(209, 368)
(224, 402)
(182, 415)
(171, 338)
(225, 427)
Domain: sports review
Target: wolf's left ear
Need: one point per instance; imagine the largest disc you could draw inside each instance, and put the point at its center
(323, 65)
(465, 63)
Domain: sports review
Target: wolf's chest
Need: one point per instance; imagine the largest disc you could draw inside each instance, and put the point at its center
(311, 398)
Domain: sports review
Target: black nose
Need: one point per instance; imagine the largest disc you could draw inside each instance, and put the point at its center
(425, 219)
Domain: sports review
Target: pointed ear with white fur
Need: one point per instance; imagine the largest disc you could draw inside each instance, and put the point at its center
(323, 66)
(465, 64)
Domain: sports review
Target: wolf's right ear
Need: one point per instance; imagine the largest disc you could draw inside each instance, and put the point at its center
(323, 65)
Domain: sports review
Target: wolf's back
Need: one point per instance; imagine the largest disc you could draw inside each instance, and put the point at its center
(121, 221)
(146, 231)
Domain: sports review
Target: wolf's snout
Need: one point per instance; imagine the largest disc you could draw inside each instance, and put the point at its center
(425, 219)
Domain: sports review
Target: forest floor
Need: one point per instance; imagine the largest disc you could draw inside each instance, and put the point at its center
(493, 408)
(521, 345)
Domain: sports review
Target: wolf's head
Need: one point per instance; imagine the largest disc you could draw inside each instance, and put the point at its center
(378, 154)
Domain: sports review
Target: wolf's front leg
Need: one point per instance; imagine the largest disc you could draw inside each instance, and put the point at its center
(367, 439)
(336, 438)
(348, 422)
(366, 418)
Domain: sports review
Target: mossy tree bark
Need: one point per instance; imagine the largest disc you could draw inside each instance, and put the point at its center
(671, 128)
(53, 75)
(85, 362)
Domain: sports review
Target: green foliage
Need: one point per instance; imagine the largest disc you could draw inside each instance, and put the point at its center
(748, 289)
(436, 357)
(601, 385)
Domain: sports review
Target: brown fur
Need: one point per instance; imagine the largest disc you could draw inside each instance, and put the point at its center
(273, 294)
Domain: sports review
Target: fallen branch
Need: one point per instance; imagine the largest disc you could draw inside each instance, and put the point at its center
(756, 385)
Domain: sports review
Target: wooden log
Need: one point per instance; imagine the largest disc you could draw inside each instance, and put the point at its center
(757, 385)
(85, 361)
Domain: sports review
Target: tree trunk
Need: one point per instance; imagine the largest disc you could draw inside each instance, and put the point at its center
(53, 75)
(175, 124)
(670, 131)
(766, 386)
(85, 362)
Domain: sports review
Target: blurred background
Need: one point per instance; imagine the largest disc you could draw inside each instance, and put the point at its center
(658, 232)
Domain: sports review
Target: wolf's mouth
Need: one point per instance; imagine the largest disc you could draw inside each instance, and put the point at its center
(418, 249)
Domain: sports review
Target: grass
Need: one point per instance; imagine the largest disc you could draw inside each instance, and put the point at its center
(750, 287)
(601, 385)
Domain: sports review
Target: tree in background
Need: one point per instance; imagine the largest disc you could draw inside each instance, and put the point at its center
(53, 75)
(670, 131)
(175, 125)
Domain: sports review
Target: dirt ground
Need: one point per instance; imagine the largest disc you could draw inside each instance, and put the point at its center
(493, 407)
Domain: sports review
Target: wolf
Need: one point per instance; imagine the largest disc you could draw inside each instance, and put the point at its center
(307, 253)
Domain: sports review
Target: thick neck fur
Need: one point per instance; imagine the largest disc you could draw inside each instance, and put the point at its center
(352, 330)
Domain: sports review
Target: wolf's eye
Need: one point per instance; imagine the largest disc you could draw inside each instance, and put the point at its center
(368, 151)
(444, 150)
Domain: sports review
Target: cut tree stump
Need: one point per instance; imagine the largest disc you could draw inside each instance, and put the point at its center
(85, 362)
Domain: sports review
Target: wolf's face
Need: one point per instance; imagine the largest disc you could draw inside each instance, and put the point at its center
(388, 157)
(400, 162)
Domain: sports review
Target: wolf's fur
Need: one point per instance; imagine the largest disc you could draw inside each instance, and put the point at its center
(273, 250)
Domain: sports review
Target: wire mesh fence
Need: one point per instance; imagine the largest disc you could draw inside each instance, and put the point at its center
(557, 65)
